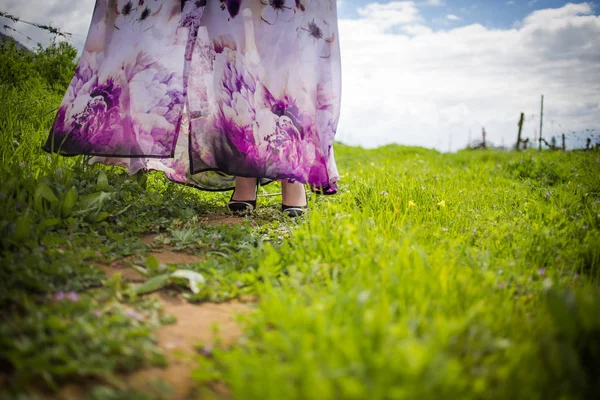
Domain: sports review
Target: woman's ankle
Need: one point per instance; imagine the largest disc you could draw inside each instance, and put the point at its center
(245, 188)
(293, 194)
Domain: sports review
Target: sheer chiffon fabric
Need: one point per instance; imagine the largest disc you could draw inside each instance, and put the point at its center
(208, 90)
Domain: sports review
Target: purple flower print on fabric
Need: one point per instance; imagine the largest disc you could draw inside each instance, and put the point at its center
(141, 17)
(232, 7)
(262, 133)
(301, 4)
(93, 118)
(208, 90)
(236, 114)
(277, 10)
(100, 119)
(315, 33)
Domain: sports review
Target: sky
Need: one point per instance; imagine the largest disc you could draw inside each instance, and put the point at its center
(433, 73)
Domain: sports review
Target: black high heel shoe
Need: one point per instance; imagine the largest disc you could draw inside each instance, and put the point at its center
(295, 211)
(243, 205)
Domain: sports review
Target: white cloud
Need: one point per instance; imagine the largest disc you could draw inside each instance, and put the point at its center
(510, 3)
(423, 87)
(434, 3)
(452, 17)
(390, 14)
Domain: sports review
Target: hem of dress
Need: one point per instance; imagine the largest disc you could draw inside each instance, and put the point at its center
(314, 189)
(268, 179)
(205, 189)
(109, 155)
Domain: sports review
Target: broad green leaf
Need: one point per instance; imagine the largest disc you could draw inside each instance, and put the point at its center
(101, 216)
(195, 279)
(69, 202)
(43, 192)
(140, 269)
(102, 183)
(92, 203)
(93, 199)
(152, 284)
(152, 264)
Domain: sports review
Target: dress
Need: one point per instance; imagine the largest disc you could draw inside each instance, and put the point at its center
(207, 90)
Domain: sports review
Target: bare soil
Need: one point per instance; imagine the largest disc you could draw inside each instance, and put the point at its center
(197, 326)
(164, 256)
(193, 331)
(221, 220)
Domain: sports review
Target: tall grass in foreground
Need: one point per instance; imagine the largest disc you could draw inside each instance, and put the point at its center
(469, 275)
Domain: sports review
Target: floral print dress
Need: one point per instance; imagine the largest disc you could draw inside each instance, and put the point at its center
(207, 90)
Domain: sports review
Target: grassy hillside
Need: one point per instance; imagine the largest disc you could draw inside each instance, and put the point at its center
(469, 275)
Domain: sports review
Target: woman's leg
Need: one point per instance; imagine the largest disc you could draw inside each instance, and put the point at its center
(293, 194)
(245, 189)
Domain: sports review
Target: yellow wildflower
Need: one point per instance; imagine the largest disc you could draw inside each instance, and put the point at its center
(442, 203)
(411, 203)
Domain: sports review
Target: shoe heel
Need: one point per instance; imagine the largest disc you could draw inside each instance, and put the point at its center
(295, 211)
(243, 205)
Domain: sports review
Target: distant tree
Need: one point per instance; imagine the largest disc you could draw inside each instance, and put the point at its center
(56, 64)
(16, 64)
(53, 65)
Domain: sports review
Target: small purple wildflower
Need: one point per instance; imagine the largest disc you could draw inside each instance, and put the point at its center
(134, 314)
(22, 164)
(175, 343)
(541, 271)
(60, 296)
(206, 351)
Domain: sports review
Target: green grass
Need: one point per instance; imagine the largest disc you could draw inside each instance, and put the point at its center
(486, 288)
(471, 275)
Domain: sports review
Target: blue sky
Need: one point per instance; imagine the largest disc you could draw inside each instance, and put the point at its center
(450, 67)
(497, 14)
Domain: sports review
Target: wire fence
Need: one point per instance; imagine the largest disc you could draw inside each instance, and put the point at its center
(51, 30)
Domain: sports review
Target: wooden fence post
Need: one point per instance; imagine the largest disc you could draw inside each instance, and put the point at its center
(519, 134)
(541, 122)
(483, 142)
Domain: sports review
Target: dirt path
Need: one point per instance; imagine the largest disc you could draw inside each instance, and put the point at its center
(164, 256)
(180, 341)
(194, 327)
